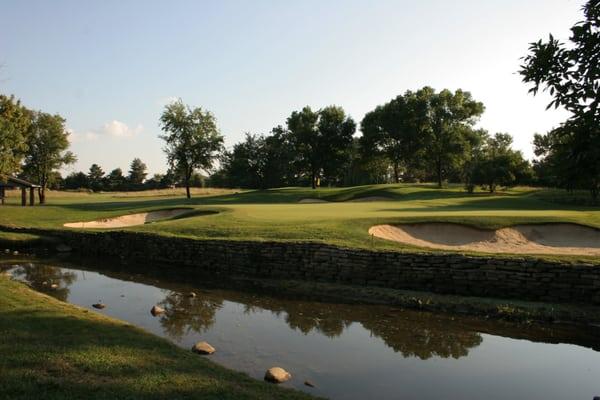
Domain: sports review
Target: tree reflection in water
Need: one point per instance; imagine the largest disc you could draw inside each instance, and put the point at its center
(184, 314)
(41, 277)
(410, 333)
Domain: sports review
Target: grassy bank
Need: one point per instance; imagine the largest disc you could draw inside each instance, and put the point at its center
(278, 214)
(53, 350)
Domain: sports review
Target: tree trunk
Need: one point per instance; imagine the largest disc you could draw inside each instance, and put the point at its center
(313, 179)
(396, 172)
(188, 175)
(42, 194)
(439, 172)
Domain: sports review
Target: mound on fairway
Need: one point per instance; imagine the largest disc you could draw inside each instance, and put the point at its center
(130, 220)
(519, 239)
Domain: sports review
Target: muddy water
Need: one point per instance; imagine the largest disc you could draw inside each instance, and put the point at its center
(346, 351)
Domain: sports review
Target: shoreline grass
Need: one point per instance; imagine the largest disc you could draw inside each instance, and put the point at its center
(54, 350)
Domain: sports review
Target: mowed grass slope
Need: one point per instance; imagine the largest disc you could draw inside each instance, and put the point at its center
(277, 214)
(53, 350)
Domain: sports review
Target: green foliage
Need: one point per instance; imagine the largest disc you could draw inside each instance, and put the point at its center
(14, 124)
(95, 178)
(571, 75)
(137, 173)
(47, 142)
(76, 180)
(322, 141)
(192, 139)
(115, 180)
(495, 164)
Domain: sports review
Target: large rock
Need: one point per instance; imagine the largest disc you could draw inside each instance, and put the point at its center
(156, 310)
(277, 375)
(99, 306)
(203, 348)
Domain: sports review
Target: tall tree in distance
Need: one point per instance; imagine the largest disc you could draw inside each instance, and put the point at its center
(14, 123)
(47, 142)
(95, 177)
(137, 173)
(392, 130)
(450, 119)
(571, 74)
(192, 140)
(322, 141)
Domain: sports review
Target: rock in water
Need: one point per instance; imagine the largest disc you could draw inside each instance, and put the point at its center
(203, 348)
(156, 310)
(54, 286)
(63, 248)
(191, 294)
(277, 375)
(99, 306)
(309, 384)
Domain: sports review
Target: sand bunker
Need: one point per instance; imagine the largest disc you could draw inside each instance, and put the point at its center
(131, 219)
(518, 239)
(309, 201)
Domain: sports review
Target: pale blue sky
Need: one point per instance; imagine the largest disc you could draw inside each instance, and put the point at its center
(109, 66)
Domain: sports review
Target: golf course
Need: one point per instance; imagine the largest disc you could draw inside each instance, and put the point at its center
(337, 216)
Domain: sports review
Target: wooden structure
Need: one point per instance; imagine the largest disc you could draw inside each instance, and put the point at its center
(12, 183)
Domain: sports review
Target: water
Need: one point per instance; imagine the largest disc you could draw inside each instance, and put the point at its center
(347, 351)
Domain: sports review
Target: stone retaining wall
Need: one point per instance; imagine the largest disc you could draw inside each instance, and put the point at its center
(521, 278)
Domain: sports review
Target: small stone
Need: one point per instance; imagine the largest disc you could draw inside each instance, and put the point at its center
(309, 384)
(63, 248)
(191, 294)
(99, 306)
(15, 253)
(54, 286)
(203, 348)
(6, 251)
(277, 375)
(44, 283)
(156, 310)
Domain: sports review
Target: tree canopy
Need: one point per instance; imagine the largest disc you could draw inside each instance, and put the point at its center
(192, 139)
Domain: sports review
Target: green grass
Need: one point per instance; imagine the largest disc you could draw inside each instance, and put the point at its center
(277, 214)
(53, 350)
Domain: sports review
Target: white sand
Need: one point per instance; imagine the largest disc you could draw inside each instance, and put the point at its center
(519, 239)
(130, 220)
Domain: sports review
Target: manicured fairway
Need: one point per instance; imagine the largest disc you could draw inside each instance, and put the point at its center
(277, 214)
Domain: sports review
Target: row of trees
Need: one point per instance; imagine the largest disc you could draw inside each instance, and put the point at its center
(33, 143)
(417, 136)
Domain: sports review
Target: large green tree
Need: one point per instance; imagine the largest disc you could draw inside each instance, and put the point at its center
(14, 124)
(497, 164)
(394, 130)
(192, 140)
(571, 74)
(47, 144)
(448, 129)
(322, 141)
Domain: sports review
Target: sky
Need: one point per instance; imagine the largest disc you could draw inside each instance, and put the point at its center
(109, 67)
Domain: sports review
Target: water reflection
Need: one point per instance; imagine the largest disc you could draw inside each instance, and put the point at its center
(45, 278)
(184, 314)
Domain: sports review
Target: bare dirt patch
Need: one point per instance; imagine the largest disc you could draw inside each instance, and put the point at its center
(130, 220)
(519, 239)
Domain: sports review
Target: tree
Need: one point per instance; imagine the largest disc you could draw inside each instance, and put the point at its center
(192, 140)
(95, 178)
(14, 124)
(47, 142)
(245, 165)
(571, 74)
(448, 128)
(392, 130)
(497, 164)
(76, 180)
(322, 141)
(115, 180)
(137, 173)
